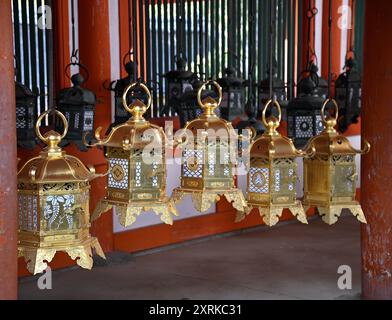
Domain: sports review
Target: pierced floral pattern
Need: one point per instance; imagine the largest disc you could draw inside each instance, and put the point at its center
(55, 211)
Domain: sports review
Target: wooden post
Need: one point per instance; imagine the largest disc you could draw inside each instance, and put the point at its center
(8, 188)
(376, 236)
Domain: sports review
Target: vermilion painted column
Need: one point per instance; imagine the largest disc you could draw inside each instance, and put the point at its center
(94, 46)
(336, 39)
(377, 166)
(8, 188)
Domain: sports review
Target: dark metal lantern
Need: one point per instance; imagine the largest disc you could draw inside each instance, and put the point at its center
(278, 88)
(303, 113)
(233, 101)
(78, 106)
(348, 94)
(179, 82)
(26, 115)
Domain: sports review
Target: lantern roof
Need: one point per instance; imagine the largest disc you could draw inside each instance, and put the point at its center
(76, 95)
(137, 132)
(330, 141)
(271, 144)
(23, 92)
(180, 73)
(209, 120)
(53, 165)
(230, 79)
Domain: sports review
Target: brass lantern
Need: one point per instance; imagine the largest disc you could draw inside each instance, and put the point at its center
(330, 174)
(272, 175)
(208, 167)
(53, 205)
(137, 169)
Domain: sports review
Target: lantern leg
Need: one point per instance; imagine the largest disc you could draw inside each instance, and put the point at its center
(237, 199)
(331, 214)
(241, 215)
(203, 200)
(102, 207)
(165, 210)
(83, 253)
(127, 214)
(270, 215)
(299, 212)
(37, 259)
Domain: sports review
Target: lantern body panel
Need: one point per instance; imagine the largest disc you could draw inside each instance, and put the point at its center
(78, 106)
(304, 119)
(26, 116)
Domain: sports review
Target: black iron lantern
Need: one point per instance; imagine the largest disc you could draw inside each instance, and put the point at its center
(179, 82)
(233, 101)
(348, 94)
(278, 88)
(78, 106)
(303, 113)
(26, 116)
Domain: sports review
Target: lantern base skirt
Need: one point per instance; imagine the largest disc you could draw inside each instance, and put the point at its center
(203, 199)
(128, 212)
(37, 259)
(330, 214)
(272, 213)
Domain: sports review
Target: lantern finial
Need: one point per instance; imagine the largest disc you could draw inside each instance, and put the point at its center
(137, 108)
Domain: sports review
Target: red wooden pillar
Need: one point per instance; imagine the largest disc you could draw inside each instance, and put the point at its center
(377, 165)
(8, 188)
(94, 46)
(305, 30)
(336, 39)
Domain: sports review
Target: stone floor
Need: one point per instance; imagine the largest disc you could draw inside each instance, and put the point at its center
(291, 261)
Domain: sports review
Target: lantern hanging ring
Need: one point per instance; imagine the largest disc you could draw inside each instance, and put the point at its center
(325, 104)
(272, 103)
(131, 108)
(80, 65)
(42, 116)
(203, 87)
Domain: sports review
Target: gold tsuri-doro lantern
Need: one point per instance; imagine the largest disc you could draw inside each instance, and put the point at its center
(53, 205)
(137, 167)
(209, 158)
(272, 175)
(330, 174)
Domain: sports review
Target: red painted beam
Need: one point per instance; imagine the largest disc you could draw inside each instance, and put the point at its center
(8, 188)
(376, 236)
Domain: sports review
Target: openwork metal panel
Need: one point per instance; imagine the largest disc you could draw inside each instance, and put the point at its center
(33, 48)
(212, 35)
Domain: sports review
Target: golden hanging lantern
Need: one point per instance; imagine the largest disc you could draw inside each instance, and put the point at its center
(272, 174)
(137, 166)
(330, 174)
(209, 158)
(53, 205)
